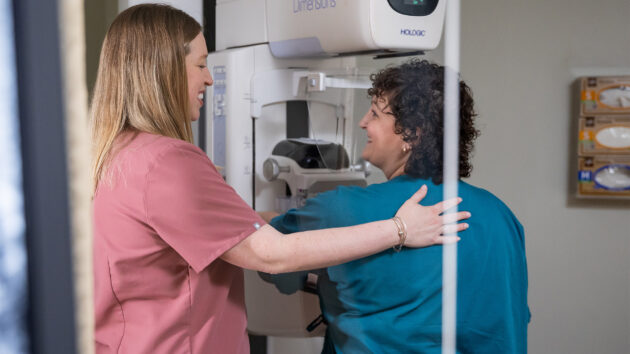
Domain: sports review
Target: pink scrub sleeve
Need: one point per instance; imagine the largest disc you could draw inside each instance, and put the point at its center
(193, 209)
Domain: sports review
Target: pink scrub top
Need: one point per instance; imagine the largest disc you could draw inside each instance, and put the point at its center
(162, 218)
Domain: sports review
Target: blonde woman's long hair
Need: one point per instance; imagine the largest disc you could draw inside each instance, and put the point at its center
(141, 83)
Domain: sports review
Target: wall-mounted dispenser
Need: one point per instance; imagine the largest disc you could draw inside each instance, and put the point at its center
(604, 137)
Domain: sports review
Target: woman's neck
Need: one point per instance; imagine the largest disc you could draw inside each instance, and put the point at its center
(397, 172)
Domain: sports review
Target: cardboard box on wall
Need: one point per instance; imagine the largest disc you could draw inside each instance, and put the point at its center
(607, 134)
(605, 95)
(604, 176)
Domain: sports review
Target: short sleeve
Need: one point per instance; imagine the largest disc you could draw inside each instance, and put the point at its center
(193, 209)
(318, 213)
(313, 216)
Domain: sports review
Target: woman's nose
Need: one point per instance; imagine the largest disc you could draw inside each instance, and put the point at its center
(363, 122)
(209, 80)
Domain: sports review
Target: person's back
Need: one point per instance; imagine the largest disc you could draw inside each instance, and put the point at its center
(391, 302)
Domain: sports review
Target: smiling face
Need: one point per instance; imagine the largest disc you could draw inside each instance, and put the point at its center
(384, 148)
(198, 75)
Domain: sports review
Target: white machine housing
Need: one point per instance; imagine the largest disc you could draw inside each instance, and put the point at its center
(309, 28)
(246, 118)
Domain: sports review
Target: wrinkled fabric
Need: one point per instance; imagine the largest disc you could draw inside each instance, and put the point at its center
(391, 302)
(161, 222)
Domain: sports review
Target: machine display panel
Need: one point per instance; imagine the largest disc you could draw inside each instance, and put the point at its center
(414, 7)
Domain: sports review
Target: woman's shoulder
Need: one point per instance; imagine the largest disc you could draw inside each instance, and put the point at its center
(161, 144)
(360, 192)
(484, 200)
(343, 200)
(146, 148)
(479, 194)
(139, 153)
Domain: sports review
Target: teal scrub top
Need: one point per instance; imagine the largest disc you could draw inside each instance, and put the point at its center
(391, 302)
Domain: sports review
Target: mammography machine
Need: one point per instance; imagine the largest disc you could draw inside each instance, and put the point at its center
(278, 116)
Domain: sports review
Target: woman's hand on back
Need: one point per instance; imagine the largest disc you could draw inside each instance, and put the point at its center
(426, 226)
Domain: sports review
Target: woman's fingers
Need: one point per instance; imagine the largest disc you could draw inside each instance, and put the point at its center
(453, 228)
(445, 240)
(425, 224)
(454, 217)
(446, 204)
(419, 195)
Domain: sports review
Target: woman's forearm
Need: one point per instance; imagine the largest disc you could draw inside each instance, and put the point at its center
(269, 251)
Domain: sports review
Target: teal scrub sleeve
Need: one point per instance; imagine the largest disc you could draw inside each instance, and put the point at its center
(311, 216)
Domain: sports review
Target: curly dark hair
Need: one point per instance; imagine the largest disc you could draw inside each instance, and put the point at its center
(415, 93)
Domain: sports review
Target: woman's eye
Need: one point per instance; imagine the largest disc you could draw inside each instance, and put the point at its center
(202, 66)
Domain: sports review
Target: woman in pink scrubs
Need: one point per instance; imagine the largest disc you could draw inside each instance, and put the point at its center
(170, 236)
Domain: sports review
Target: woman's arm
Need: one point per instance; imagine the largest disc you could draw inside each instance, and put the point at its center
(269, 251)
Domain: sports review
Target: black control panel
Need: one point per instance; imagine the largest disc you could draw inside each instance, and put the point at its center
(414, 7)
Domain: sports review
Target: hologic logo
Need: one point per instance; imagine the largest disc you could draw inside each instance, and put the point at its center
(413, 32)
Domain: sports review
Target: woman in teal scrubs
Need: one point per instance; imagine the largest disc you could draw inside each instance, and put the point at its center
(391, 302)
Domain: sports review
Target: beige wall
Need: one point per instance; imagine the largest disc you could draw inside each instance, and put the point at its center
(521, 59)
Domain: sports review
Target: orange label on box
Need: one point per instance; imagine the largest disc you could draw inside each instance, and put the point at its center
(586, 135)
(588, 95)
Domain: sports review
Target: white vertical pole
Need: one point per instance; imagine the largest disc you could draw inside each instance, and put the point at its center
(451, 169)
